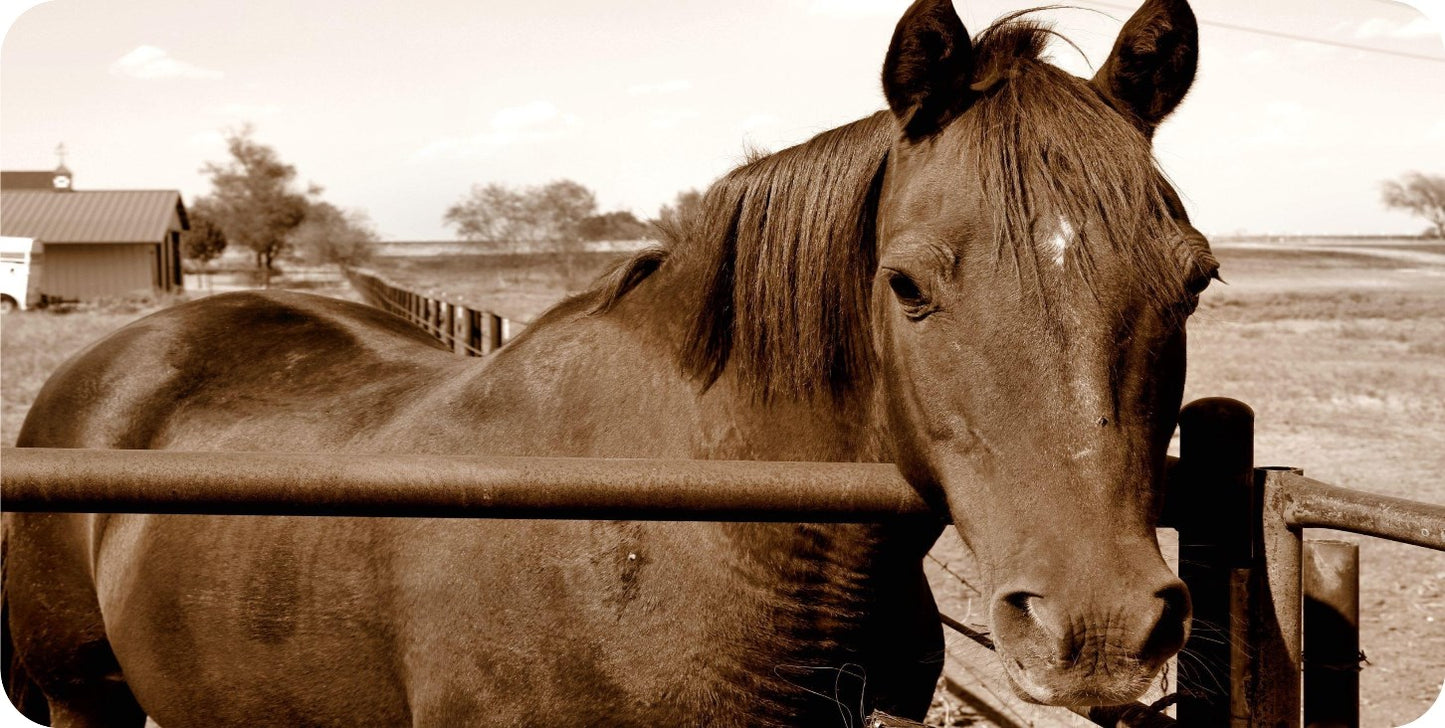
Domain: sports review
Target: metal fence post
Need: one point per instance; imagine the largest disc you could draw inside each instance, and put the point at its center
(1274, 614)
(1212, 505)
(1331, 651)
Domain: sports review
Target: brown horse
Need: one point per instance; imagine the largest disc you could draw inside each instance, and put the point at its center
(986, 284)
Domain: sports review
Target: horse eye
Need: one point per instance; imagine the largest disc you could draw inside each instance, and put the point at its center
(1200, 281)
(908, 293)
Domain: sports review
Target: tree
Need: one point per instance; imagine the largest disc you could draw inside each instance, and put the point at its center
(686, 206)
(330, 235)
(1421, 195)
(205, 240)
(490, 213)
(253, 200)
(618, 225)
(549, 215)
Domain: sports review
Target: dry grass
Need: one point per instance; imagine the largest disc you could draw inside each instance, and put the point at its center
(34, 343)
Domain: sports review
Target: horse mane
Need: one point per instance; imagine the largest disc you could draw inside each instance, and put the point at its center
(783, 247)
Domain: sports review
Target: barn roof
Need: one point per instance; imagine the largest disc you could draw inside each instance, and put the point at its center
(92, 216)
(27, 179)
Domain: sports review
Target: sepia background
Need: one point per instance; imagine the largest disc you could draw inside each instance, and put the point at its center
(501, 154)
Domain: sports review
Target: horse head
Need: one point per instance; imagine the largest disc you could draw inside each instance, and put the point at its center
(1034, 273)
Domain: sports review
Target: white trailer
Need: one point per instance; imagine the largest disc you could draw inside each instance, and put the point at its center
(19, 259)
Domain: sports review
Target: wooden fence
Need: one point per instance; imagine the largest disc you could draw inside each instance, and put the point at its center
(465, 330)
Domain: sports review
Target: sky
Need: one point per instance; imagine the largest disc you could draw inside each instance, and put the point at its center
(396, 109)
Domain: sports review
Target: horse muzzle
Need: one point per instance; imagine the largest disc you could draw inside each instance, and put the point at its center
(1058, 651)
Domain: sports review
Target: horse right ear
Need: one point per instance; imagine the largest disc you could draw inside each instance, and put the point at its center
(926, 73)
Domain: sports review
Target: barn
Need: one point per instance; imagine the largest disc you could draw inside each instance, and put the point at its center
(93, 244)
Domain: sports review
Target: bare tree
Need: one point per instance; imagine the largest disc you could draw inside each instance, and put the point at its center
(489, 213)
(547, 216)
(1421, 195)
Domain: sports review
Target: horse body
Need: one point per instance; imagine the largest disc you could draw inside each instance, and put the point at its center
(985, 284)
(431, 621)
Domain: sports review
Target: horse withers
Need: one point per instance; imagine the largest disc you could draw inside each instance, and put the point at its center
(986, 284)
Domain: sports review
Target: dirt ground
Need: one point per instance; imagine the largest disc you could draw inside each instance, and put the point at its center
(1339, 346)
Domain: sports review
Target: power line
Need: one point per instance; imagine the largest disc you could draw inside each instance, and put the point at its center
(1292, 36)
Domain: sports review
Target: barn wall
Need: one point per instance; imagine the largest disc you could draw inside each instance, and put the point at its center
(82, 271)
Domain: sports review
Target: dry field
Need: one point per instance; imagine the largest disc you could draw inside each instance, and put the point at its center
(1338, 345)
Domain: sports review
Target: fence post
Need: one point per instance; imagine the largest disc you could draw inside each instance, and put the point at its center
(448, 324)
(1213, 501)
(1331, 651)
(1274, 616)
(492, 333)
(462, 331)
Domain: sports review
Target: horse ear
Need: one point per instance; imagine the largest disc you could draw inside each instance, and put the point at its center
(1153, 62)
(926, 73)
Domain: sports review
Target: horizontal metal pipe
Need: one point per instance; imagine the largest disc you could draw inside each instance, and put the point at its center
(1309, 503)
(256, 483)
(241, 483)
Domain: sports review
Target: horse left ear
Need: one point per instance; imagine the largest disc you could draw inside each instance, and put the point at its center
(926, 73)
(1153, 62)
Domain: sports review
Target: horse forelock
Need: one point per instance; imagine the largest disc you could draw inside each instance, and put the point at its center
(1052, 152)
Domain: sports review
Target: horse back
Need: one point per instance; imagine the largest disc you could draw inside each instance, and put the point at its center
(247, 370)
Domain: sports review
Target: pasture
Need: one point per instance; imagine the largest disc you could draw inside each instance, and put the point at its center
(1339, 345)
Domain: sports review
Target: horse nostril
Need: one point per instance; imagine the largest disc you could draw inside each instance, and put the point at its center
(1176, 601)
(1167, 636)
(1024, 617)
(1020, 600)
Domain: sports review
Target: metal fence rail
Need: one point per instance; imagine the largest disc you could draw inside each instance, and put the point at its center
(1308, 503)
(241, 483)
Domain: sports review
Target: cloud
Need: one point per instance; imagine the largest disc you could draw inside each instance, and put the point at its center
(150, 62)
(1419, 27)
(663, 87)
(531, 122)
(858, 8)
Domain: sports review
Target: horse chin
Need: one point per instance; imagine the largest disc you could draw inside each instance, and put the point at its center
(1069, 688)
